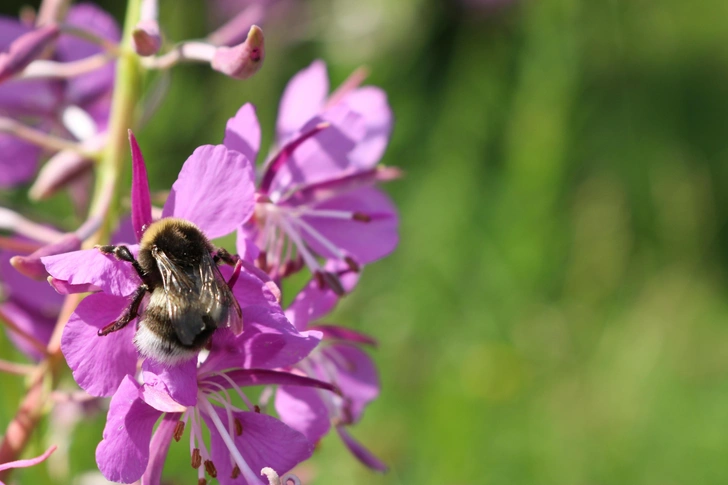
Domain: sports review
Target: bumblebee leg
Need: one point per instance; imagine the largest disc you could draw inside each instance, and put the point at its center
(122, 253)
(129, 314)
(222, 254)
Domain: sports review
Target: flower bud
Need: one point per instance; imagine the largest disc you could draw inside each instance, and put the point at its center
(147, 40)
(25, 49)
(242, 60)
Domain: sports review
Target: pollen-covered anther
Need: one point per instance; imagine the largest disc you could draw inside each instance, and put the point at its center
(256, 408)
(236, 472)
(196, 458)
(238, 427)
(179, 429)
(353, 265)
(262, 261)
(210, 468)
(361, 217)
(201, 481)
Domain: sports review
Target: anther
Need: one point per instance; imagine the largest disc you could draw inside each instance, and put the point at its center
(210, 468)
(353, 265)
(201, 481)
(333, 282)
(235, 473)
(262, 261)
(361, 217)
(238, 427)
(196, 458)
(256, 408)
(318, 275)
(178, 430)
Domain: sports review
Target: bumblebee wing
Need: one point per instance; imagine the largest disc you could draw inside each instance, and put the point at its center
(181, 292)
(217, 298)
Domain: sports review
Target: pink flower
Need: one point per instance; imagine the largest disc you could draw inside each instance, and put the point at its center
(214, 191)
(339, 360)
(315, 196)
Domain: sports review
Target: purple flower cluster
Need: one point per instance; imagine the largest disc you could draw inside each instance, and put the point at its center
(313, 203)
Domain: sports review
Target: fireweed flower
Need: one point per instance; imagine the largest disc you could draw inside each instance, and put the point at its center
(196, 396)
(214, 190)
(32, 306)
(75, 109)
(338, 360)
(315, 196)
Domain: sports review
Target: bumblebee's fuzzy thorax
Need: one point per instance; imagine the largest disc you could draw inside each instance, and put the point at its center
(180, 240)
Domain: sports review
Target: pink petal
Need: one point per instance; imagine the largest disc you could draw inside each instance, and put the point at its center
(18, 160)
(324, 155)
(92, 267)
(141, 204)
(303, 410)
(123, 454)
(303, 98)
(179, 381)
(313, 302)
(214, 190)
(29, 462)
(268, 341)
(266, 377)
(159, 447)
(99, 364)
(356, 377)
(360, 452)
(333, 332)
(371, 103)
(242, 133)
(265, 442)
(364, 241)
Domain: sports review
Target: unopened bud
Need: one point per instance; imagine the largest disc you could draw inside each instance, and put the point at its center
(58, 172)
(25, 49)
(243, 60)
(147, 40)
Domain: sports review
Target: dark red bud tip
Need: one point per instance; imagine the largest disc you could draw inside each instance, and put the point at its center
(236, 472)
(353, 265)
(238, 427)
(146, 38)
(178, 430)
(210, 468)
(196, 458)
(361, 217)
(256, 408)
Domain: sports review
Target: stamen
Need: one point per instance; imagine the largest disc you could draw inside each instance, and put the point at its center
(300, 246)
(236, 472)
(238, 428)
(232, 448)
(361, 217)
(256, 408)
(201, 481)
(262, 261)
(178, 430)
(210, 468)
(325, 279)
(237, 389)
(353, 265)
(196, 458)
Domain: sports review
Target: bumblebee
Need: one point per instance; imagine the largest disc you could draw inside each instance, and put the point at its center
(183, 297)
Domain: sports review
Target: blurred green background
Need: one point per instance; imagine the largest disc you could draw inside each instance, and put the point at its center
(556, 312)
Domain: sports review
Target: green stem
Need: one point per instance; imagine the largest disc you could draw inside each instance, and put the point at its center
(127, 90)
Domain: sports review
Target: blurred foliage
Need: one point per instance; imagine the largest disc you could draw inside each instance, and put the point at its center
(556, 310)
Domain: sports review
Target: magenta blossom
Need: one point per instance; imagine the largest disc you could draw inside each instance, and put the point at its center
(32, 306)
(76, 108)
(214, 191)
(338, 360)
(198, 396)
(315, 196)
